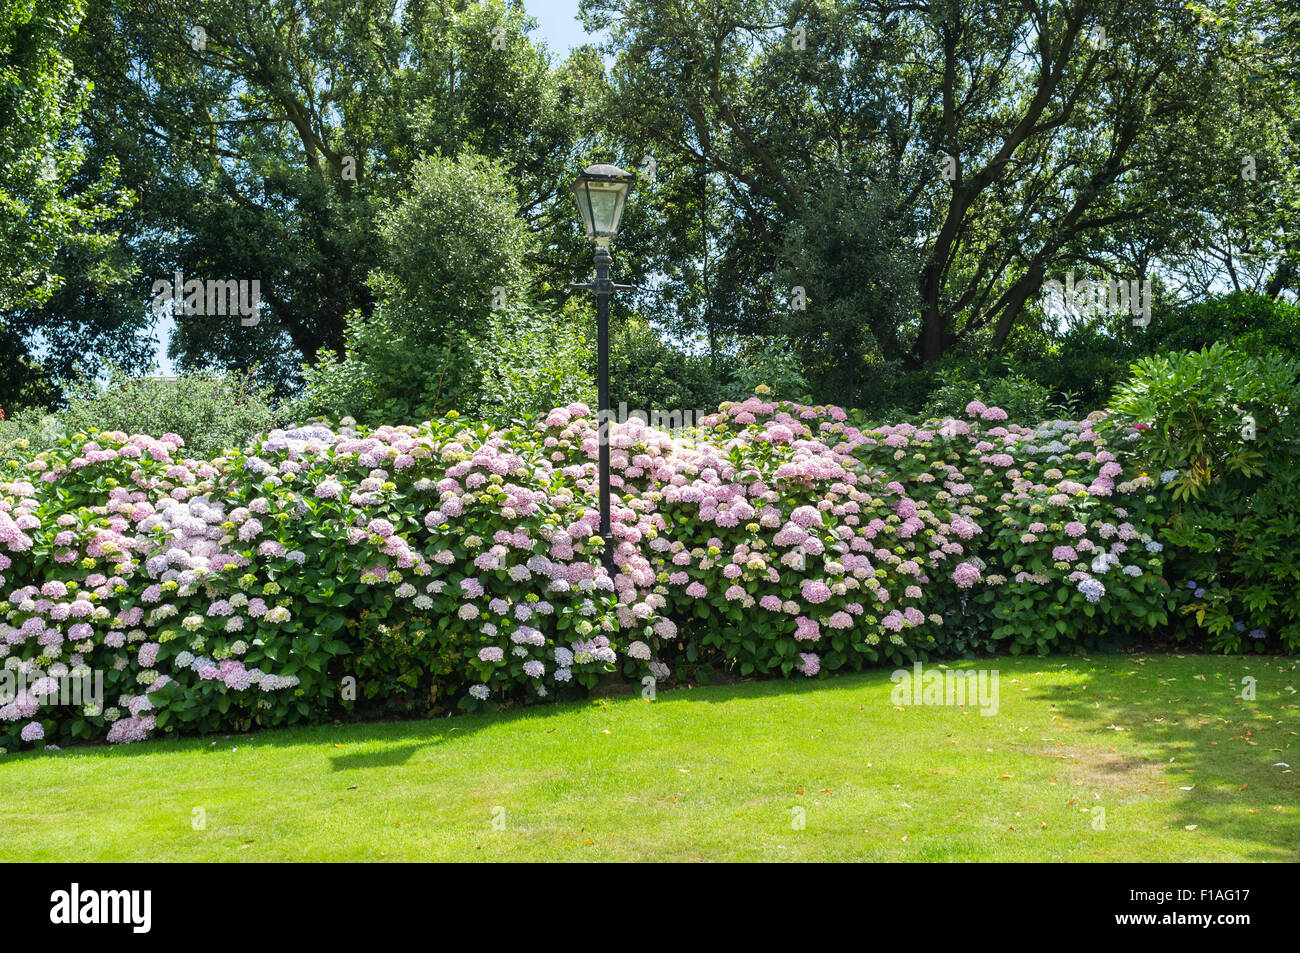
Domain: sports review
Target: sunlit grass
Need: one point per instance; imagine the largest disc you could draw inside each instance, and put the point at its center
(1181, 765)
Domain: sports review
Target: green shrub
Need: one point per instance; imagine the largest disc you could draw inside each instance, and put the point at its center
(1221, 427)
(648, 373)
(1209, 414)
(454, 327)
(535, 362)
(1023, 399)
(1252, 323)
(211, 413)
(525, 364)
(38, 427)
(1236, 567)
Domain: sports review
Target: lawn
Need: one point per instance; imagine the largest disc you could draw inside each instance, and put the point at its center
(1181, 765)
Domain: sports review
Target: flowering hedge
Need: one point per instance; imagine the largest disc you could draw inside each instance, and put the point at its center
(325, 571)
(317, 569)
(782, 538)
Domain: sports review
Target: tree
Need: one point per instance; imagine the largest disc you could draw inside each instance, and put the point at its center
(53, 207)
(454, 326)
(986, 145)
(265, 135)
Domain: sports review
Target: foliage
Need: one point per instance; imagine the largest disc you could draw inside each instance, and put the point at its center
(535, 362)
(784, 539)
(1249, 322)
(454, 250)
(283, 182)
(35, 425)
(1209, 414)
(917, 169)
(769, 363)
(648, 373)
(210, 413)
(58, 208)
(1222, 427)
(43, 210)
(1237, 566)
(1022, 398)
(454, 326)
(315, 572)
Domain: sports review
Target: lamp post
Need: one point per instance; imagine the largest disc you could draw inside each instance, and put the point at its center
(601, 192)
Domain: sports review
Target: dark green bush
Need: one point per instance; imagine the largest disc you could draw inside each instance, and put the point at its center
(1219, 430)
(1023, 399)
(1253, 323)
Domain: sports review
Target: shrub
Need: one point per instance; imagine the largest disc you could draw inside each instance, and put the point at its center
(453, 326)
(782, 538)
(246, 590)
(1206, 415)
(1023, 399)
(1220, 428)
(210, 413)
(1250, 322)
(320, 572)
(36, 426)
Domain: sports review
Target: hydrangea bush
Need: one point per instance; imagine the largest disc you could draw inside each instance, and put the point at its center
(325, 571)
(315, 570)
(781, 538)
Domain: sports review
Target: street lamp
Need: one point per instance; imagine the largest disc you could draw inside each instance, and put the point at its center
(601, 192)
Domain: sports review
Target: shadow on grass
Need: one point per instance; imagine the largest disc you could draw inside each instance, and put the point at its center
(394, 742)
(1199, 734)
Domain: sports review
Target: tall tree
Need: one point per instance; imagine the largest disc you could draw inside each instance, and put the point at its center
(53, 206)
(265, 134)
(922, 165)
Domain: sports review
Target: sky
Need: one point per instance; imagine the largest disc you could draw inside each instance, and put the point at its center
(557, 24)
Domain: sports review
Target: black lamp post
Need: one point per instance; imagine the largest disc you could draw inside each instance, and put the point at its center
(601, 192)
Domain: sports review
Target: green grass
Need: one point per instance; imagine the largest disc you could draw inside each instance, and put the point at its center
(1183, 767)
